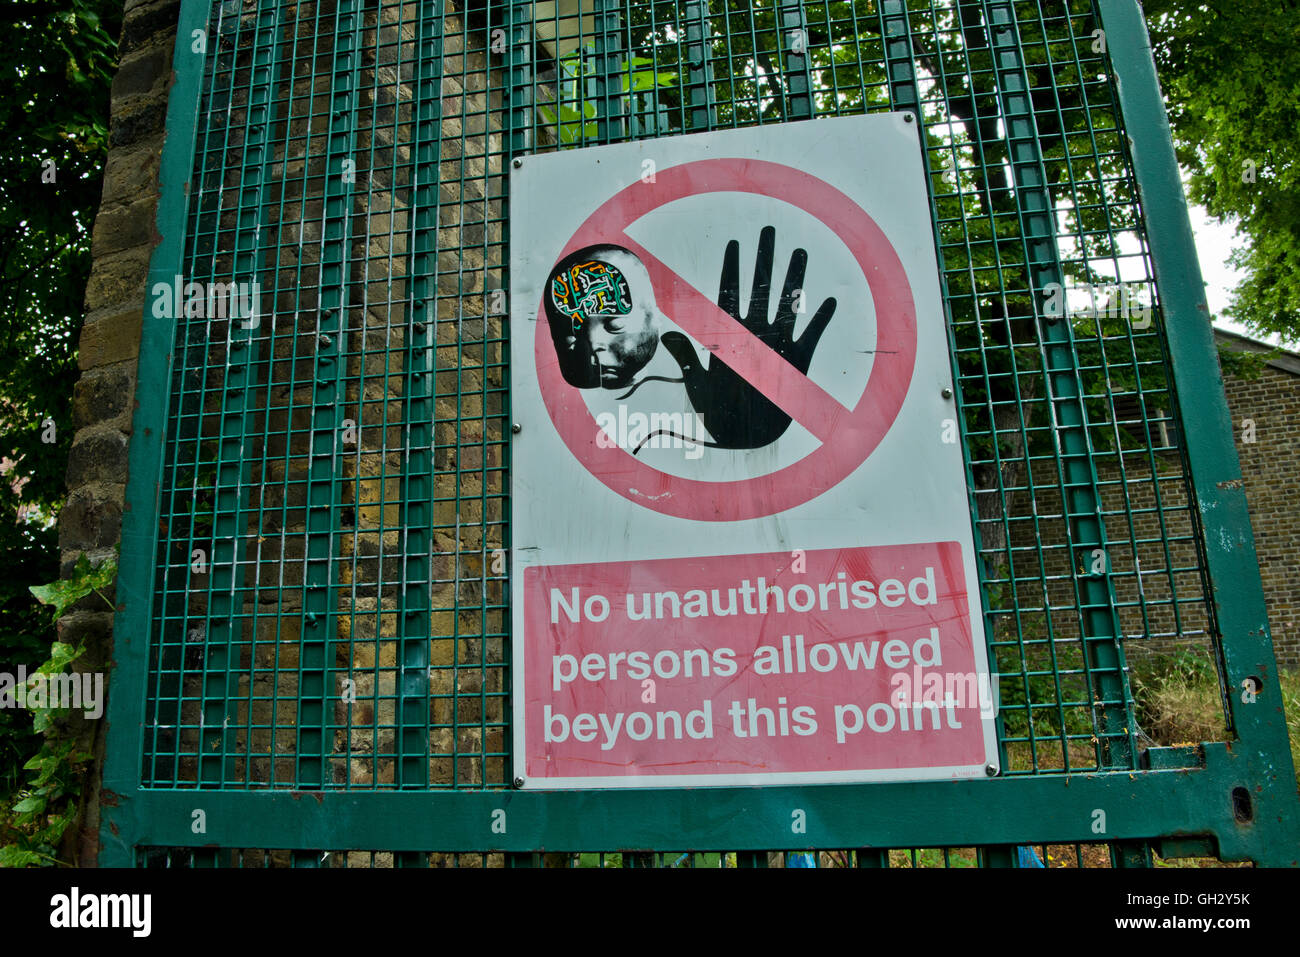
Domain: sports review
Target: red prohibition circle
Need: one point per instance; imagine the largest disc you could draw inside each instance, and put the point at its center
(854, 434)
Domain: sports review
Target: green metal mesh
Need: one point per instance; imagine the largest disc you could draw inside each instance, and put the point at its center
(329, 614)
(331, 596)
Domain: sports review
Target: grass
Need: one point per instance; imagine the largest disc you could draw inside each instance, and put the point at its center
(1177, 702)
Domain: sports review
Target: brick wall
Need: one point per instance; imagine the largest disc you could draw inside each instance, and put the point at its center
(1270, 466)
(1152, 550)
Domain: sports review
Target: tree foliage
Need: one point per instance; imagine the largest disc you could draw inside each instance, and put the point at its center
(57, 58)
(1229, 72)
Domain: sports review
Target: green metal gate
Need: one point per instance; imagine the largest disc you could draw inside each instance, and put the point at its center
(312, 656)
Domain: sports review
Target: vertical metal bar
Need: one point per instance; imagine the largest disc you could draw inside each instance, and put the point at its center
(132, 631)
(1131, 854)
(997, 855)
(519, 77)
(165, 704)
(900, 72)
(610, 73)
(796, 60)
(1231, 562)
(699, 85)
(901, 75)
(1103, 652)
(519, 96)
(414, 620)
(872, 857)
(315, 691)
(218, 730)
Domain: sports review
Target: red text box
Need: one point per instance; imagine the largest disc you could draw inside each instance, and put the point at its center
(828, 662)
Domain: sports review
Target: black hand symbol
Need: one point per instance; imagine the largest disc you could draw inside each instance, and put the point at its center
(736, 413)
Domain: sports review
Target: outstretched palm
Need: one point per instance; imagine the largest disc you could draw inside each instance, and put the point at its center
(736, 413)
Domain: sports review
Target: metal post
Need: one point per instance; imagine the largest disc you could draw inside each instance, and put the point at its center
(134, 627)
(1232, 566)
(610, 73)
(901, 71)
(796, 60)
(519, 98)
(320, 599)
(699, 85)
(872, 857)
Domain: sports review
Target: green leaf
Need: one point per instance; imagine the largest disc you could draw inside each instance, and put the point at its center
(66, 592)
(60, 654)
(13, 856)
(103, 574)
(30, 805)
(61, 594)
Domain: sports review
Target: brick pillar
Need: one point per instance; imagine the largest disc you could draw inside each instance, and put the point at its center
(102, 406)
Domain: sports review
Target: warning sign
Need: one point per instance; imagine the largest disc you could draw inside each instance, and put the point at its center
(742, 540)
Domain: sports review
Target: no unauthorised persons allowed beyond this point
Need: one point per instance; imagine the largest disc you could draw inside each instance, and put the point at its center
(743, 551)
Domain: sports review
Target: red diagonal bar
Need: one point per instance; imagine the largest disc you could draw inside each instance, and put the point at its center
(699, 317)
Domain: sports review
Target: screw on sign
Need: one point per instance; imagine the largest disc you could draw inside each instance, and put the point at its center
(741, 552)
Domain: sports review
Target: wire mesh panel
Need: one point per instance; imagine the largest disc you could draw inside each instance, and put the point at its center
(329, 607)
(328, 614)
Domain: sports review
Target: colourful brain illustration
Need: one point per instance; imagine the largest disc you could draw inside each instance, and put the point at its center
(590, 289)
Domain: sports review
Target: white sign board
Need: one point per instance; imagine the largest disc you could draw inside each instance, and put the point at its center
(742, 547)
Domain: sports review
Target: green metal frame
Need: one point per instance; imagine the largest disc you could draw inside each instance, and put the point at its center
(1233, 566)
(1236, 799)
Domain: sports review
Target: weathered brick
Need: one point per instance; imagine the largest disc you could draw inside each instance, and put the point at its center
(101, 395)
(92, 518)
(111, 338)
(91, 627)
(124, 227)
(116, 280)
(1271, 468)
(141, 74)
(129, 175)
(131, 125)
(98, 457)
(1271, 471)
(145, 19)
